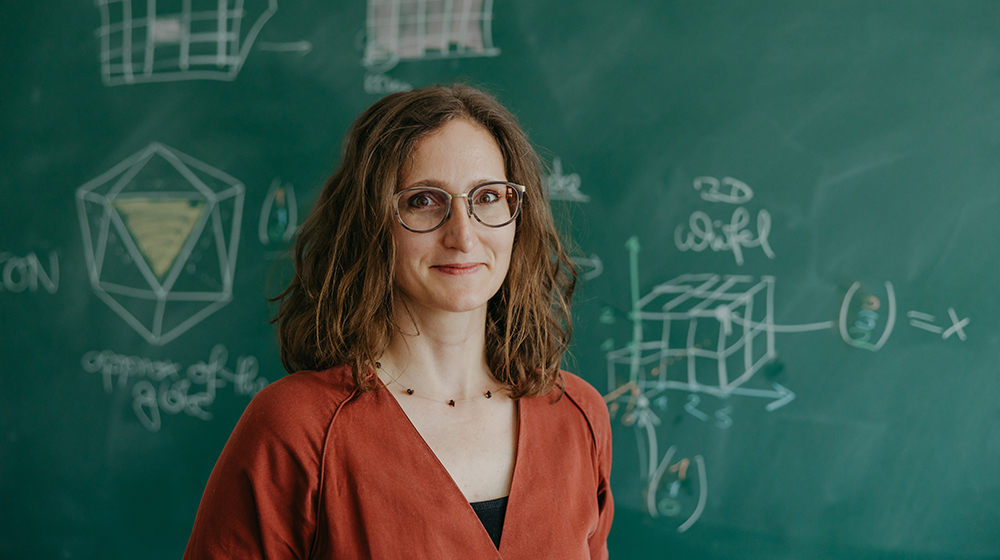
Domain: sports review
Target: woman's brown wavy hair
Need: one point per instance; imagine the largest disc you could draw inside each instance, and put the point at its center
(338, 308)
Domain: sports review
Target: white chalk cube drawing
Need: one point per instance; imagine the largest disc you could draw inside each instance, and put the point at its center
(169, 40)
(160, 236)
(715, 332)
(427, 29)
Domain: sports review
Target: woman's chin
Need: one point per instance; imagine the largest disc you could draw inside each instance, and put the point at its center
(459, 306)
(445, 304)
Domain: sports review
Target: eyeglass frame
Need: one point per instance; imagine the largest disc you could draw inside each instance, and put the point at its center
(519, 189)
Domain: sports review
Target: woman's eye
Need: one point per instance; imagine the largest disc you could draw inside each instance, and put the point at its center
(487, 197)
(422, 200)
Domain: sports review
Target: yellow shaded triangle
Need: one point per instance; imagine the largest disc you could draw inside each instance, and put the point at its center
(160, 226)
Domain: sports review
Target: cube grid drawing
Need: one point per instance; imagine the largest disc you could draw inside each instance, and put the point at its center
(715, 332)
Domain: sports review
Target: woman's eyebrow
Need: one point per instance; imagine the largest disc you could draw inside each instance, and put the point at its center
(424, 183)
(429, 183)
(437, 183)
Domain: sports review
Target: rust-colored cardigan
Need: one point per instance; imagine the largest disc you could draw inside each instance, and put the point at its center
(317, 469)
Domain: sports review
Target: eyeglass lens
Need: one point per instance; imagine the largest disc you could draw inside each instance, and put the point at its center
(423, 209)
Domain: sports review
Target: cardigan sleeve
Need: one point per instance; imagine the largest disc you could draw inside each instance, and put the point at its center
(261, 499)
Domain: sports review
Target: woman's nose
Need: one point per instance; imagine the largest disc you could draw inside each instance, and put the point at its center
(458, 229)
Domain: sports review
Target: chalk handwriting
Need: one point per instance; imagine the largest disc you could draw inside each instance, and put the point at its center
(704, 233)
(692, 407)
(723, 418)
(671, 506)
(18, 274)
(159, 386)
(868, 318)
(563, 187)
(382, 83)
(737, 191)
(861, 331)
(118, 367)
(925, 322)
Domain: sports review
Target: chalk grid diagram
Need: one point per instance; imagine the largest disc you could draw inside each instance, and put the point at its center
(160, 235)
(713, 334)
(715, 331)
(172, 40)
(427, 29)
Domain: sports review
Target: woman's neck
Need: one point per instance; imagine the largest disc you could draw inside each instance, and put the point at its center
(439, 354)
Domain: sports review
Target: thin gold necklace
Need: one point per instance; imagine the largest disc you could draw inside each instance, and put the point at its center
(409, 391)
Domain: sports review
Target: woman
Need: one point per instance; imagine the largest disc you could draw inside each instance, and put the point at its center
(426, 321)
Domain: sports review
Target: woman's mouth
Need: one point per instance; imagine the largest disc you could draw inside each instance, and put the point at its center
(458, 269)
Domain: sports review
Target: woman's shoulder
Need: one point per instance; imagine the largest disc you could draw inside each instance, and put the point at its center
(581, 400)
(302, 384)
(307, 386)
(584, 395)
(302, 398)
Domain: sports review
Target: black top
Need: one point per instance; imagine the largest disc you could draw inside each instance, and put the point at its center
(491, 513)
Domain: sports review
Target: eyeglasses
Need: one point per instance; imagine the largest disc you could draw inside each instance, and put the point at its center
(424, 209)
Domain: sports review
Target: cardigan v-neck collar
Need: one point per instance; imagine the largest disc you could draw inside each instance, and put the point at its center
(440, 471)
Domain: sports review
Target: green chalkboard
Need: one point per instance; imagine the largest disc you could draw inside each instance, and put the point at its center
(787, 217)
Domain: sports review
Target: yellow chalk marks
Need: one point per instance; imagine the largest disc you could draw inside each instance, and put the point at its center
(160, 227)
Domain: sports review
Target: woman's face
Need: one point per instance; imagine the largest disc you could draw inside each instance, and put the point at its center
(458, 267)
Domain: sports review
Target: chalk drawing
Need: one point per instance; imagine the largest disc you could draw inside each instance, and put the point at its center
(651, 467)
(161, 41)
(728, 190)
(860, 333)
(400, 30)
(301, 47)
(567, 187)
(704, 233)
(279, 216)
(160, 236)
(382, 83)
(592, 266)
(724, 322)
(678, 478)
(159, 387)
(18, 274)
(925, 321)
(713, 334)
(563, 187)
